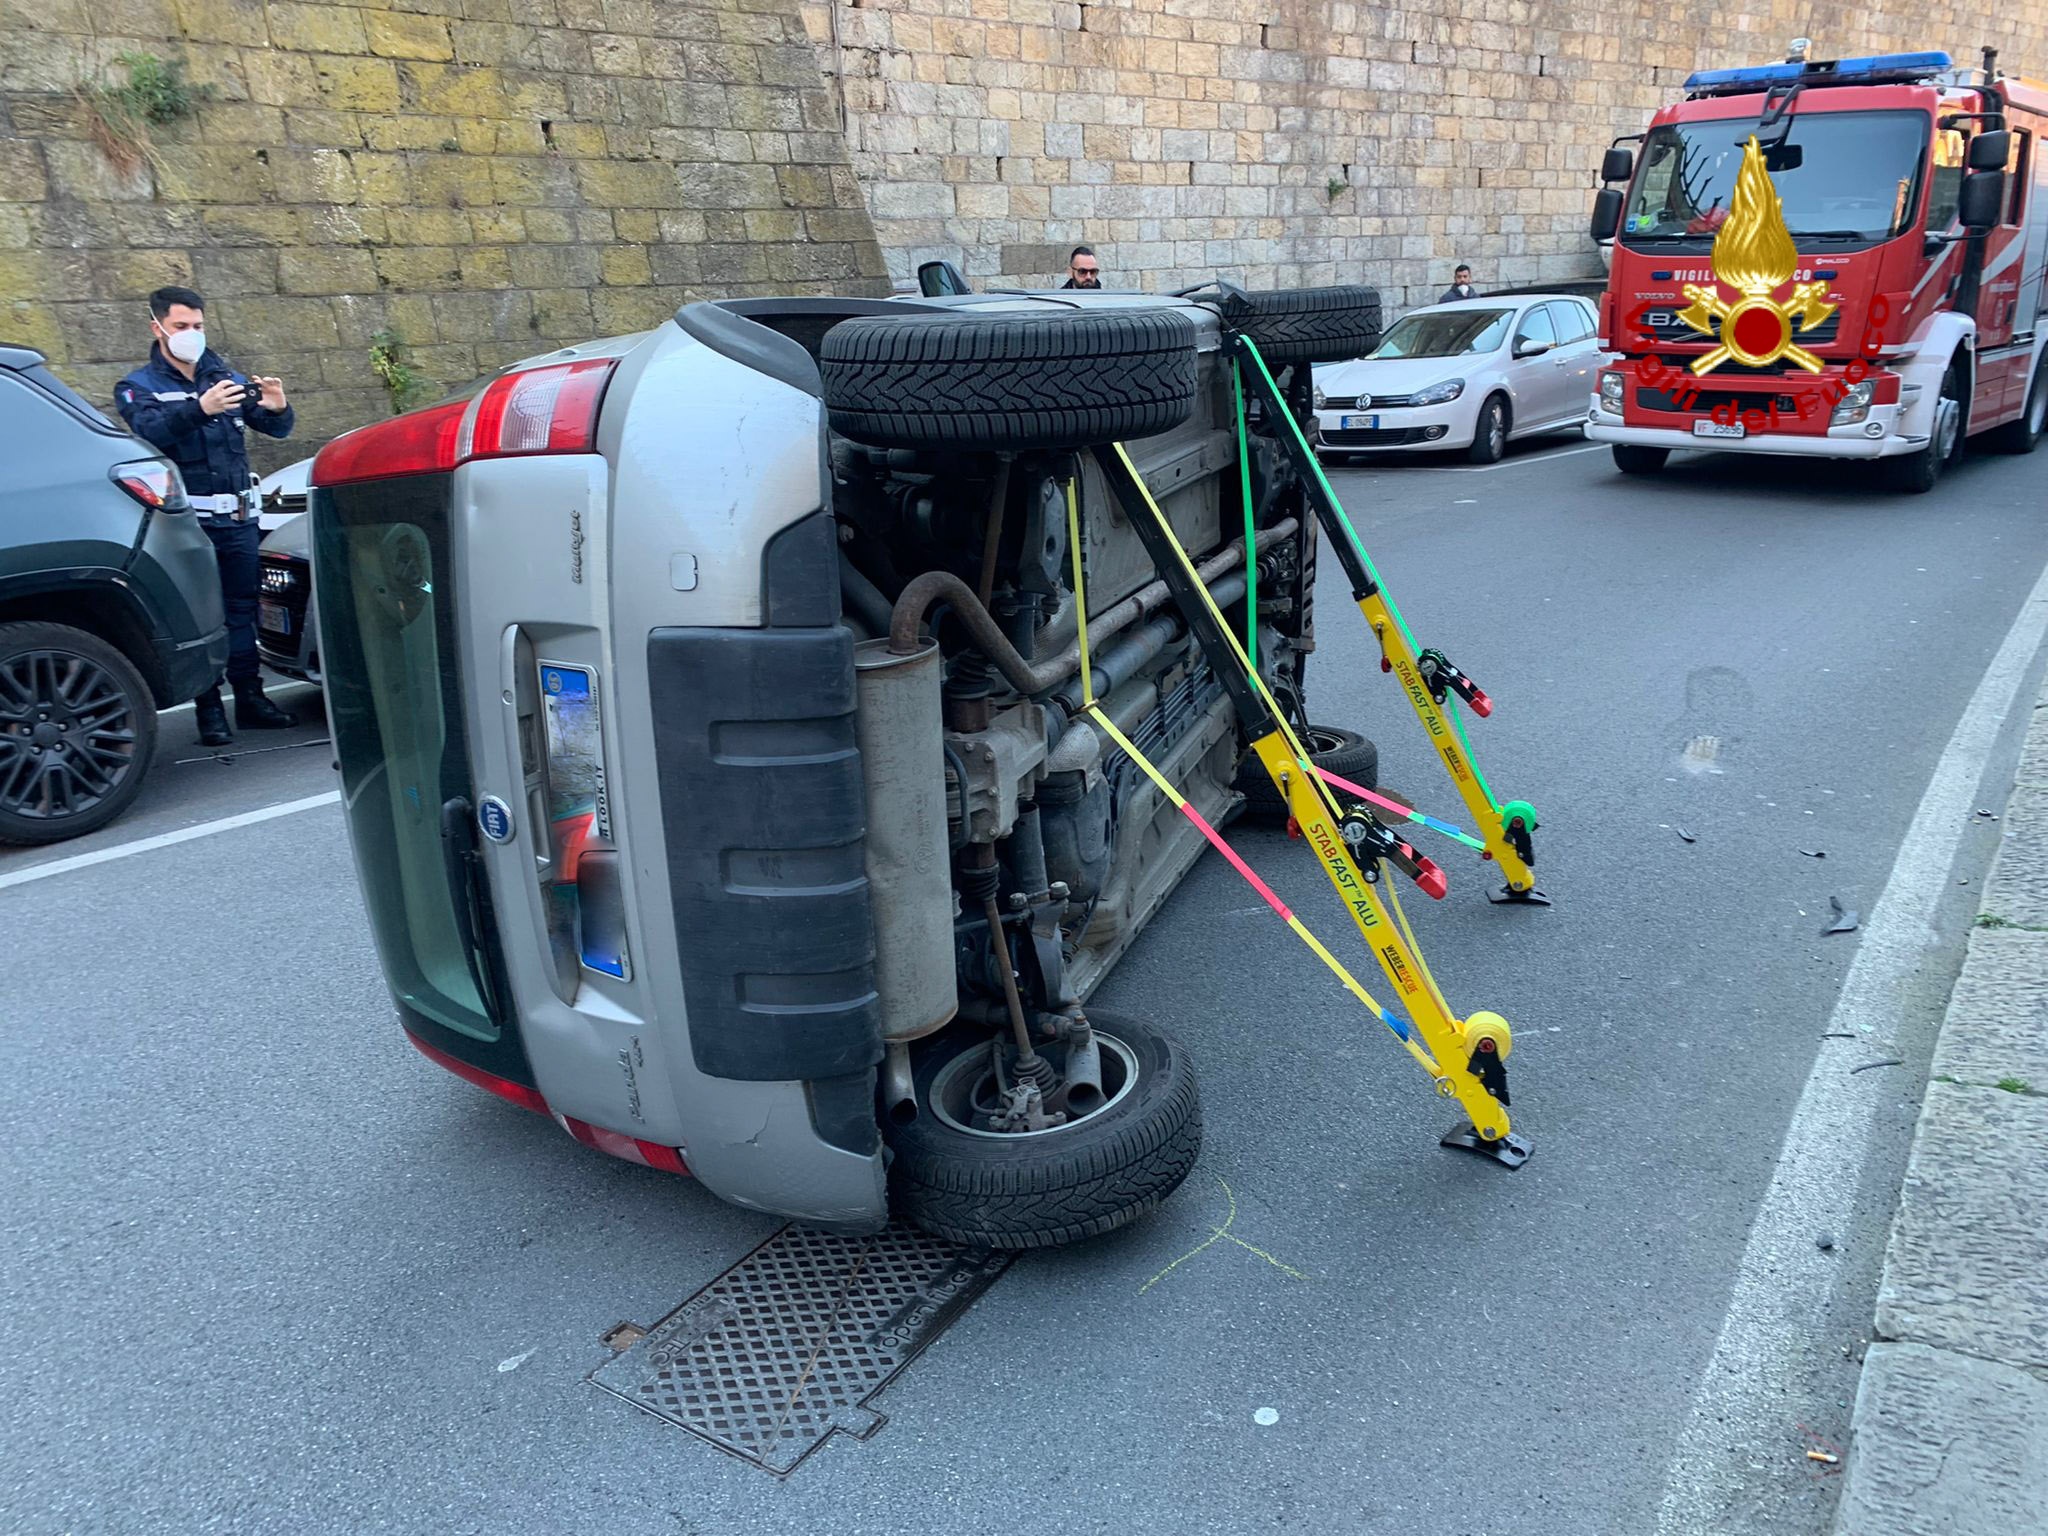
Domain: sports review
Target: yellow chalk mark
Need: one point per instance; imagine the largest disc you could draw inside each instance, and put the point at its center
(1221, 1234)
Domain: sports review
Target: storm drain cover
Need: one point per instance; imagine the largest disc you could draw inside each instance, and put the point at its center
(795, 1340)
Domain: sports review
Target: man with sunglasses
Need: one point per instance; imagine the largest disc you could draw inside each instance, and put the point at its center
(1083, 271)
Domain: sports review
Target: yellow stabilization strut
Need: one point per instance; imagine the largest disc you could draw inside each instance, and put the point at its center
(1463, 1057)
(1427, 677)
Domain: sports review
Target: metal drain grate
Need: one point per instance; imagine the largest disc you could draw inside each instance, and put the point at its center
(797, 1338)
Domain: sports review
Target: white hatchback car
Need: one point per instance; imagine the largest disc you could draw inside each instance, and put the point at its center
(1467, 375)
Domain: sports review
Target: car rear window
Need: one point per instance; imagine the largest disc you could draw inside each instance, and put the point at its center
(72, 400)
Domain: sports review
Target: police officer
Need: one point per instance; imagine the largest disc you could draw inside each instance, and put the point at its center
(188, 403)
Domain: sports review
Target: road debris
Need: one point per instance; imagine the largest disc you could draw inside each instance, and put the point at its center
(1825, 1242)
(1827, 1458)
(1814, 853)
(1685, 834)
(1846, 918)
(1265, 1416)
(1889, 1061)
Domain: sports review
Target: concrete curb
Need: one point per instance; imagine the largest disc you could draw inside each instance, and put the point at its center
(1950, 1428)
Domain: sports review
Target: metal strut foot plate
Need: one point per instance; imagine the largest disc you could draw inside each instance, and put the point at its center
(1511, 1151)
(1508, 896)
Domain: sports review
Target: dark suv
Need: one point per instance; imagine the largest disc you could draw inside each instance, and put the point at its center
(110, 606)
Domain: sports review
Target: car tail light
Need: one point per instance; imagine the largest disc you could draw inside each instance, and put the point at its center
(510, 1092)
(552, 409)
(648, 1154)
(153, 482)
(541, 410)
(419, 443)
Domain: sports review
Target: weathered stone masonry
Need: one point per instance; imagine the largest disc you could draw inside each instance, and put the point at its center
(483, 179)
(1297, 141)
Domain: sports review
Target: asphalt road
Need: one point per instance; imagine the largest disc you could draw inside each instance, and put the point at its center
(265, 1269)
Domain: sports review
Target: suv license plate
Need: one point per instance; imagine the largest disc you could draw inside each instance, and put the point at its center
(274, 617)
(1719, 429)
(1358, 423)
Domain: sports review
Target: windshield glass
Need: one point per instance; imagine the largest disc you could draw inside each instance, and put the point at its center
(1445, 333)
(1843, 177)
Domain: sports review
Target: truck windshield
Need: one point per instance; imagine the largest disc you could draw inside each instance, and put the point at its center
(1843, 177)
(1445, 333)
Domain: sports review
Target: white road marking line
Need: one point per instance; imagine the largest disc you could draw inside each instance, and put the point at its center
(1778, 1303)
(1534, 458)
(166, 839)
(284, 690)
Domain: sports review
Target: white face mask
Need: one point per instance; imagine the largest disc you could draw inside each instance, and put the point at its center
(186, 346)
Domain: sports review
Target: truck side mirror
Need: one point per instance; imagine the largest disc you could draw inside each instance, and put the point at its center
(1618, 165)
(1982, 200)
(936, 279)
(1606, 214)
(1991, 151)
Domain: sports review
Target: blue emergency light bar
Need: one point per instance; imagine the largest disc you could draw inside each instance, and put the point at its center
(1877, 69)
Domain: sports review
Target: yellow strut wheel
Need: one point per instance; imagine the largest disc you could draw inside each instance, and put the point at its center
(1490, 1026)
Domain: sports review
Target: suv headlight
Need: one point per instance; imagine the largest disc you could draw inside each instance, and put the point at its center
(1853, 406)
(1611, 388)
(1440, 394)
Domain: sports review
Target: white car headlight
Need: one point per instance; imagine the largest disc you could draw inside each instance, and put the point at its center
(1854, 405)
(1611, 388)
(1440, 394)
(1319, 397)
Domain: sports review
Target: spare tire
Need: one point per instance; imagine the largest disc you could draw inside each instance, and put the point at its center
(1009, 381)
(1307, 325)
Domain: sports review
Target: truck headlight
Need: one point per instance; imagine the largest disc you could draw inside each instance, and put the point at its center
(1611, 390)
(1319, 397)
(1855, 405)
(1440, 394)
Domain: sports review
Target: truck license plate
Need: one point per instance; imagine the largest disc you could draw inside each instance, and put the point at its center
(1358, 423)
(1719, 429)
(274, 617)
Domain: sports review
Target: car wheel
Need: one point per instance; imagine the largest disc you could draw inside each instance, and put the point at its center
(1635, 459)
(77, 726)
(2025, 434)
(1008, 382)
(1307, 325)
(1914, 474)
(1330, 748)
(1490, 435)
(1039, 1189)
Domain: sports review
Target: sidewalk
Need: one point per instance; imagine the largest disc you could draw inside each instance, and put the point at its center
(1950, 1432)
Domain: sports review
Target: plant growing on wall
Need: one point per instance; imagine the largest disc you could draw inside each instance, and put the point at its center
(401, 381)
(156, 94)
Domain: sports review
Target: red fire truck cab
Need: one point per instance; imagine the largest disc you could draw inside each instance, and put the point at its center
(1914, 316)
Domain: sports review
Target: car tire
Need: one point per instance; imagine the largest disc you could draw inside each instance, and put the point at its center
(1635, 459)
(54, 681)
(1914, 474)
(2024, 434)
(1307, 325)
(1009, 382)
(1330, 748)
(1490, 433)
(1047, 1188)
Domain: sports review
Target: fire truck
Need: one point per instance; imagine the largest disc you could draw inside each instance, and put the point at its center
(1829, 258)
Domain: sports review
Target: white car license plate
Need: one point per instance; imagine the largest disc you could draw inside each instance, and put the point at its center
(1358, 423)
(275, 618)
(1719, 429)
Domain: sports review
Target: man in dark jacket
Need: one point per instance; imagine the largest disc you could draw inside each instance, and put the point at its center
(1461, 287)
(186, 402)
(1083, 270)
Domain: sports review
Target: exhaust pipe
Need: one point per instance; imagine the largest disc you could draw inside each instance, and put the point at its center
(899, 1091)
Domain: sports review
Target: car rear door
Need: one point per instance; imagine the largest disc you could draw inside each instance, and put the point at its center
(1577, 357)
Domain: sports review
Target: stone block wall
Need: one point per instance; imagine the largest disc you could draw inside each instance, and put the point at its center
(1293, 142)
(481, 179)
